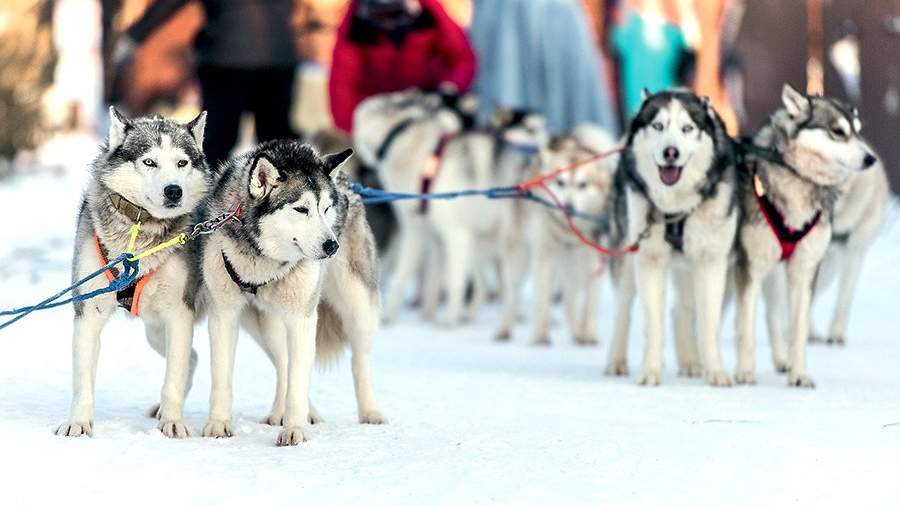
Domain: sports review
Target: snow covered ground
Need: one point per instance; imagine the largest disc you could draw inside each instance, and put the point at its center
(471, 421)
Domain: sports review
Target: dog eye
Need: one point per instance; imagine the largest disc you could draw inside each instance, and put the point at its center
(658, 126)
(182, 163)
(301, 210)
(560, 183)
(687, 129)
(149, 163)
(838, 131)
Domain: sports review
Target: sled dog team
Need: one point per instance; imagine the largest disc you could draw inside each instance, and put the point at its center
(297, 268)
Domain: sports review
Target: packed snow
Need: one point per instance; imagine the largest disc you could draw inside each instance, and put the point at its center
(471, 421)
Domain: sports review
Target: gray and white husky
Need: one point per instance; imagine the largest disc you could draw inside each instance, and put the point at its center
(676, 197)
(299, 273)
(152, 171)
(787, 203)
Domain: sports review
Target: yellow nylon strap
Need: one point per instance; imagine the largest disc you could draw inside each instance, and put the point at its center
(134, 233)
(178, 239)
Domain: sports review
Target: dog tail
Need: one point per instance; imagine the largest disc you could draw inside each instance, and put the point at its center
(330, 337)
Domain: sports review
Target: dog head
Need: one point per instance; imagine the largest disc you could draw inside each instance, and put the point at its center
(523, 129)
(585, 188)
(156, 163)
(672, 139)
(819, 137)
(293, 202)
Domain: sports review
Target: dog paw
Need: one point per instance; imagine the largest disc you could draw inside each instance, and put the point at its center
(782, 367)
(372, 417)
(218, 429)
(175, 429)
(503, 336)
(815, 338)
(314, 418)
(717, 378)
(650, 378)
(690, 370)
(836, 341)
(541, 341)
(273, 419)
(587, 340)
(290, 436)
(153, 412)
(76, 429)
(745, 378)
(801, 381)
(617, 368)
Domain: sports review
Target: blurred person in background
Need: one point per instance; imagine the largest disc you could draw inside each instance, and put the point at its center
(246, 61)
(78, 74)
(541, 56)
(392, 45)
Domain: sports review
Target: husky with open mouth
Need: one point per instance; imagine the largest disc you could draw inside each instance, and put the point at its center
(676, 198)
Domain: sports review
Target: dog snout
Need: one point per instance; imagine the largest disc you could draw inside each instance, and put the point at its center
(670, 154)
(173, 193)
(330, 247)
(869, 160)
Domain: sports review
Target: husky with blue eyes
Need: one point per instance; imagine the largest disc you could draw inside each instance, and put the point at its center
(675, 197)
(298, 273)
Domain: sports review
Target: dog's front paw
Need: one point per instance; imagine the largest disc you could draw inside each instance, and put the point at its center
(503, 336)
(745, 378)
(717, 378)
(617, 368)
(153, 412)
(218, 429)
(782, 367)
(690, 370)
(290, 436)
(836, 341)
(175, 429)
(543, 340)
(587, 340)
(372, 417)
(274, 419)
(800, 381)
(650, 378)
(76, 429)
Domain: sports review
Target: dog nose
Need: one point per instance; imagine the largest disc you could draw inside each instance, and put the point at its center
(330, 247)
(172, 192)
(670, 154)
(869, 160)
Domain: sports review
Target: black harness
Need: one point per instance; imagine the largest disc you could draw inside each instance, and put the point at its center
(245, 287)
(392, 135)
(675, 230)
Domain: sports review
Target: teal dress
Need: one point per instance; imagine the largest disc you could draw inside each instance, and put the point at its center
(643, 64)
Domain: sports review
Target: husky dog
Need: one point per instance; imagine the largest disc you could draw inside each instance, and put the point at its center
(150, 171)
(557, 255)
(859, 215)
(676, 196)
(787, 203)
(299, 273)
(418, 144)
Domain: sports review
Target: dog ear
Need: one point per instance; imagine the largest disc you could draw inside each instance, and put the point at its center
(795, 102)
(263, 178)
(118, 124)
(645, 94)
(335, 160)
(196, 128)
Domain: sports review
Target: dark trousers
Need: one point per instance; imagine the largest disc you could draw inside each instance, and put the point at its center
(227, 93)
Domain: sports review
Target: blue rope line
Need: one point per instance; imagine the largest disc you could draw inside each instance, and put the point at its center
(371, 196)
(126, 278)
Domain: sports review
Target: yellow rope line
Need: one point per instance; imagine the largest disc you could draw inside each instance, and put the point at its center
(178, 239)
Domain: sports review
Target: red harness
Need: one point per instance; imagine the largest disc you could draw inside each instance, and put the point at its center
(129, 298)
(432, 166)
(787, 237)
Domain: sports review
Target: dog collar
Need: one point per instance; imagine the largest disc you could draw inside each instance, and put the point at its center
(245, 287)
(131, 210)
(788, 238)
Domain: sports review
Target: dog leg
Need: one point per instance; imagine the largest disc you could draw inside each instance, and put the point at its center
(156, 338)
(683, 324)
(271, 334)
(458, 247)
(512, 270)
(651, 278)
(587, 325)
(846, 290)
(709, 289)
(301, 355)
(774, 292)
(800, 278)
(223, 334)
(179, 338)
(544, 268)
(747, 296)
(625, 293)
(409, 256)
(85, 352)
(479, 291)
(432, 282)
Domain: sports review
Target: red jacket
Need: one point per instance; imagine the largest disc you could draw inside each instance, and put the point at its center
(435, 51)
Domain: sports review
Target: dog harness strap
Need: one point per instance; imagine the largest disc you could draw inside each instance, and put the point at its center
(788, 238)
(243, 285)
(129, 297)
(675, 230)
(391, 137)
(431, 169)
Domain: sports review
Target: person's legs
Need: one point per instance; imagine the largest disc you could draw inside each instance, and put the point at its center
(271, 94)
(224, 93)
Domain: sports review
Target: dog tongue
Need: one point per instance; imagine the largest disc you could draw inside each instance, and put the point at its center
(669, 174)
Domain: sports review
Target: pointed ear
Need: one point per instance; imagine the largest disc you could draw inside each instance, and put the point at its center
(196, 128)
(645, 94)
(118, 123)
(264, 178)
(794, 102)
(336, 160)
